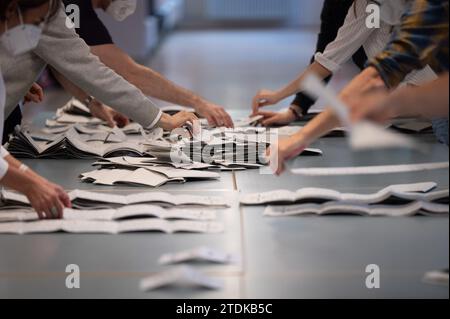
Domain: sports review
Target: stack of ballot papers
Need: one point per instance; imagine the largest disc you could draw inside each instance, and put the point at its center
(392, 201)
(113, 214)
(109, 227)
(153, 176)
(86, 200)
(71, 144)
(338, 208)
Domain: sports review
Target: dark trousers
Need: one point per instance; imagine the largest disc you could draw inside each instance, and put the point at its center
(332, 18)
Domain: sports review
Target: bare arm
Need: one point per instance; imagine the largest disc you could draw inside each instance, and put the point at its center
(428, 101)
(155, 85)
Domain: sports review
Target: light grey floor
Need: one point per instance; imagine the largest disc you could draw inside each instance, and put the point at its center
(308, 257)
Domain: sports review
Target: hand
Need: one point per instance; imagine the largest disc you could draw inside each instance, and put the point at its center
(264, 98)
(47, 199)
(216, 115)
(35, 94)
(169, 123)
(107, 114)
(277, 118)
(287, 149)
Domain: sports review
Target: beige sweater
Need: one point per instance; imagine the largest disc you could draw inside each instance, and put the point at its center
(63, 49)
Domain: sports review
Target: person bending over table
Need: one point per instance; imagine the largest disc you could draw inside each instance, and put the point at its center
(21, 22)
(93, 31)
(422, 28)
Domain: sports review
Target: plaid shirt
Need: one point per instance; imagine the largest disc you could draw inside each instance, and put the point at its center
(421, 40)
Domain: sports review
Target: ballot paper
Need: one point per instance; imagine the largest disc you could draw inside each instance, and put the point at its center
(93, 200)
(394, 193)
(78, 196)
(344, 208)
(437, 277)
(251, 121)
(74, 107)
(287, 131)
(369, 170)
(362, 135)
(73, 145)
(139, 177)
(153, 176)
(110, 227)
(126, 212)
(414, 127)
(199, 254)
(183, 275)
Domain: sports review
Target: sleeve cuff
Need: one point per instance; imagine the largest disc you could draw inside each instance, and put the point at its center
(326, 62)
(155, 121)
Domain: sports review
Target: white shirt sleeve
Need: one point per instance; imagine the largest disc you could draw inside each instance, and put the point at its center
(351, 36)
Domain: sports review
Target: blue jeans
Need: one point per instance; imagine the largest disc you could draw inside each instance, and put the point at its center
(440, 127)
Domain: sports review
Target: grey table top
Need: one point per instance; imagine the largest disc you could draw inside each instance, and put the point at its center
(306, 257)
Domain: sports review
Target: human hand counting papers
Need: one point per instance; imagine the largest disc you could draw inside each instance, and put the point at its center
(395, 193)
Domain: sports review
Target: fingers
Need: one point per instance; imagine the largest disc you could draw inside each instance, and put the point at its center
(39, 92)
(121, 120)
(228, 122)
(259, 101)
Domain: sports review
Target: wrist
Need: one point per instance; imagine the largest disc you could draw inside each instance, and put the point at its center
(165, 122)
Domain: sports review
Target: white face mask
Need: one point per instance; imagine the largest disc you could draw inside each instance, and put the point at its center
(22, 38)
(121, 9)
(393, 10)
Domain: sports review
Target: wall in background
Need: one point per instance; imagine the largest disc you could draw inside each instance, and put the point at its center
(298, 13)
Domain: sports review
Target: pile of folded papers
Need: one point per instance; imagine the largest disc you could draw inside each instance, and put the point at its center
(392, 201)
(114, 213)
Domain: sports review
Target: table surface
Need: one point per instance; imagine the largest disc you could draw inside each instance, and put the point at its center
(293, 257)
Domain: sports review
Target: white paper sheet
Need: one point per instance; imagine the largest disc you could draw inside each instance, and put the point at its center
(407, 192)
(110, 227)
(180, 275)
(369, 170)
(129, 211)
(343, 208)
(199, 254)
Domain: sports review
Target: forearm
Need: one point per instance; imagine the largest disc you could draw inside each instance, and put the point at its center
(294, 87)
(18, 180)
(147, 80)
(428, 101)
(316, 128)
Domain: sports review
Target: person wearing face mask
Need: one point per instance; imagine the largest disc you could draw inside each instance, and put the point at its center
(21, 22)
(351, 36)
(61, 48)
(95, 34)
